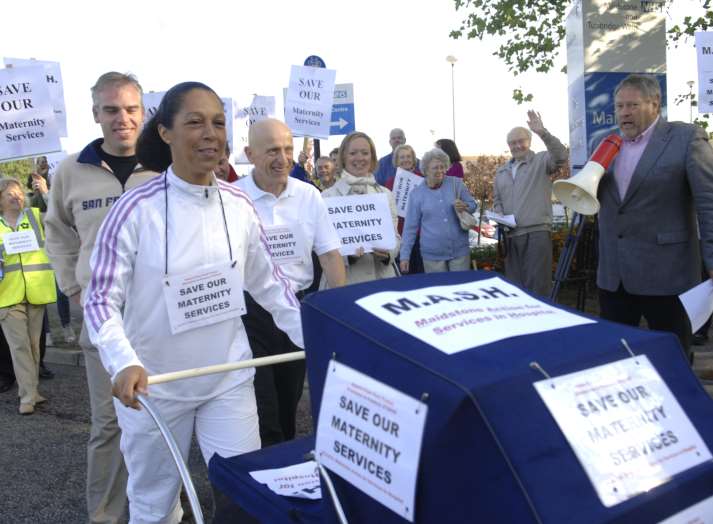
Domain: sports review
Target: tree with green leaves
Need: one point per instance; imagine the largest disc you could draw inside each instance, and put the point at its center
(531, 31)
(19, 169)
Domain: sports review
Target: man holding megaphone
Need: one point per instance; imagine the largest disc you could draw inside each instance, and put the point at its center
(523, 188)
(661, 180)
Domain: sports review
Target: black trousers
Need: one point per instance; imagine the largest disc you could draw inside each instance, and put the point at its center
(662, 313)
(5, 358)
(278, 388)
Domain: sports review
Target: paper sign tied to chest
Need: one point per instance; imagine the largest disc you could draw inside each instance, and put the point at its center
(625, 427)
(362, 221)
(20, 242)
(204, 296)
(286, 244)
(370, 434)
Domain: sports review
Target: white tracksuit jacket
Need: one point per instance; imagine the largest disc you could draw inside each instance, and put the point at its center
(127, 275)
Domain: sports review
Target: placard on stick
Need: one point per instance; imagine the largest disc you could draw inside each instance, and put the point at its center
(53, 76)
(27, 121)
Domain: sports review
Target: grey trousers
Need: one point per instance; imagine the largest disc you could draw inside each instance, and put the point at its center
(106, 472)
(441, 266)
(529, 261)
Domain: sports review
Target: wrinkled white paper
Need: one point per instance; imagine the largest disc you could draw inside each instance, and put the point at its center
(300, 480)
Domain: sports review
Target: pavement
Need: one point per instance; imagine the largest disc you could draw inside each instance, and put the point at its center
(43, 456)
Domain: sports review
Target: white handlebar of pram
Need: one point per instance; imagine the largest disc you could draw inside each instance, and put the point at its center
(223, 368)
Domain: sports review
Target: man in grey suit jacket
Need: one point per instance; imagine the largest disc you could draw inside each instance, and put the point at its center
(661, 182)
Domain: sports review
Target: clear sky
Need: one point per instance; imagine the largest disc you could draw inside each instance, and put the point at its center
(393, 51)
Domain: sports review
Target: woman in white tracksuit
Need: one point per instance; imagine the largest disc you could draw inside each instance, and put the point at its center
(174, 256)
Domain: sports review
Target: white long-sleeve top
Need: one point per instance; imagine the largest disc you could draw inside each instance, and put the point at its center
(128, 266)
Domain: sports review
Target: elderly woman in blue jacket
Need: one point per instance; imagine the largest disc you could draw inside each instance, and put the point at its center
(432, 209)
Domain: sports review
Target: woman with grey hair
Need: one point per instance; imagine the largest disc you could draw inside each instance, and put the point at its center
(26, 286)
(432, 209)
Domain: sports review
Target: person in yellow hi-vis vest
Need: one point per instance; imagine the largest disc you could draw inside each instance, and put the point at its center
(26, 285)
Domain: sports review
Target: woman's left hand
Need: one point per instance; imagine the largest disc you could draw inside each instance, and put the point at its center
(459, 205)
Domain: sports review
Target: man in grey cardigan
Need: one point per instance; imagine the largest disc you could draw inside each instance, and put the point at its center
(523, 187)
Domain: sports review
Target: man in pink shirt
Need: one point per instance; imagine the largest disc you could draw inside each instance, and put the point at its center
(662, 180)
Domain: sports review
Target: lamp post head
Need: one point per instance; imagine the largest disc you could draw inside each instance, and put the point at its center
(451, 60)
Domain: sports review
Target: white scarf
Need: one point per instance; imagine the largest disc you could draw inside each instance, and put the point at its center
(359, 185)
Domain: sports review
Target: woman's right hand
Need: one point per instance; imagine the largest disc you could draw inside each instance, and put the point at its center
(39, 184)
(403, 266)
(128, 383)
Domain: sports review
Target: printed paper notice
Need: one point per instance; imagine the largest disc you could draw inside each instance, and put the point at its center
(300, 480)
(246, 114)
(700, 513)
(27, 118)
(370, 435)
(404, 183)
(625, 427)
(286, 244)
(463, 316)
(503, 220)
(362, 221)
(20, 242)
(53, 75)
(308, 102)
(698, 303)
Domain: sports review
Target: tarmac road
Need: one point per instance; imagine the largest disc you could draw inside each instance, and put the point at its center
(43, 456)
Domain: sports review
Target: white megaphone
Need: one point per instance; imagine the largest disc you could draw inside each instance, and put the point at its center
(579, 193)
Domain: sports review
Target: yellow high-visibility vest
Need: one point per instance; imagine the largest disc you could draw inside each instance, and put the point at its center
(28, 277)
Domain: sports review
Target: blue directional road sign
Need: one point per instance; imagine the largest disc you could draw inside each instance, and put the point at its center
(342, 122)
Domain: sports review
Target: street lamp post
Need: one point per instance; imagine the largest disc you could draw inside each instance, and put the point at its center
(452, 60)
(690, 101)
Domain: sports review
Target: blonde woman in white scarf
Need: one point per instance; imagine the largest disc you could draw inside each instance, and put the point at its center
(357, 162)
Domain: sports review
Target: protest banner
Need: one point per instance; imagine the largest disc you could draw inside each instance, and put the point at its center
(370, 434)
(260, 108)
(625, 426)
(464, 316)
(704, 54)
(53, 75)
(362, 221)
(54, 160)
(26, 114)
(404, 182)
(152, 99)
(308, 101)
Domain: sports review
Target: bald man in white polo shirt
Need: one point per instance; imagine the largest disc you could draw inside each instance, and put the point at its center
(295, 216)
